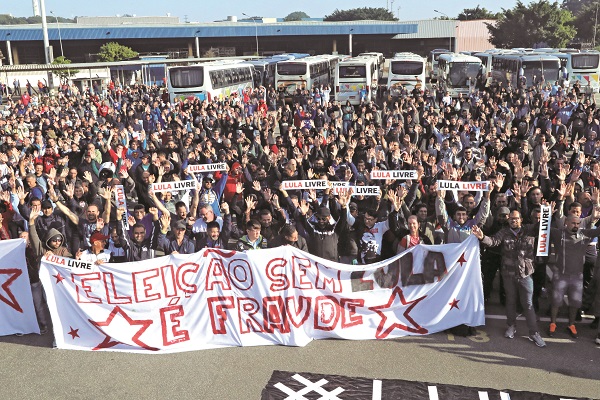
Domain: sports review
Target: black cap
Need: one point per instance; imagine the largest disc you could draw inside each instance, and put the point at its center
(46, 204)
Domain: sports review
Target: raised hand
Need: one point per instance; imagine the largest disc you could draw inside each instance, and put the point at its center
(477, 232)
(87, 175)
(256, 186)
(70, 190)
(250, 203)
(165, 221)
(99, 224)
(304, 206)
(225, 208)
(239, 187)
(107, 193)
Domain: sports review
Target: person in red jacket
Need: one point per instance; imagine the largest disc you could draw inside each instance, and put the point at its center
(236, 175)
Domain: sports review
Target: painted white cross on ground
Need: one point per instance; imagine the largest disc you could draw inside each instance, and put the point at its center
(309, 387)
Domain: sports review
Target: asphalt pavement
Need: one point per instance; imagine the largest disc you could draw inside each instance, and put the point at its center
(31, 369)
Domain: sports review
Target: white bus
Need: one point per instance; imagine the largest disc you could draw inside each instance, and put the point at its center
(432, 63)
(380, 59)
(524, 69)
(458, 73)
(306, 73)
(357, 80)
(583, 67)
(215, 80)
(264, 68)
(406, 70)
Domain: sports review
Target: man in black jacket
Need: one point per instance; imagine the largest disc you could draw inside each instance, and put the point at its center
(324, 236)
(138, 248)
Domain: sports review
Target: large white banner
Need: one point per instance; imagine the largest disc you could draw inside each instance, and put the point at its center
(284, 296)
(17, 314)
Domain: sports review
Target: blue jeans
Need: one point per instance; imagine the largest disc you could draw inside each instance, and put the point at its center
(521, 288)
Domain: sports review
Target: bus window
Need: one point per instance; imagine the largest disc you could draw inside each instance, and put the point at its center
(187, 77)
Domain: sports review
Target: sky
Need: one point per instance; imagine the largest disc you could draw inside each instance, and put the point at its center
(207, 11)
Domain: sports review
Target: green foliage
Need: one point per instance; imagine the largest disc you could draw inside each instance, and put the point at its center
(538, 22)
(364, 13)
(469, 14)
(296, 16)
(6, 19)
(585, 21)
(64, 73)
(114, 51)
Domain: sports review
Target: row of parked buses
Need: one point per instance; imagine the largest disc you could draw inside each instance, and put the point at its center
(515, 67)
(349, 79)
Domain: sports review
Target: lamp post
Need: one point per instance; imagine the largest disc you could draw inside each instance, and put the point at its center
(255, 30)
(62, 53)
(450, 38)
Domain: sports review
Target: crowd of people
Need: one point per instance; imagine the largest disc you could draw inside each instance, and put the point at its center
(63, 156)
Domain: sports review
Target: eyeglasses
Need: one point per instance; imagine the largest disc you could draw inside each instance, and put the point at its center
(56, 240)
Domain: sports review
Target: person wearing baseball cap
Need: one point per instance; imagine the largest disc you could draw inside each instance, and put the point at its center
(97, 254)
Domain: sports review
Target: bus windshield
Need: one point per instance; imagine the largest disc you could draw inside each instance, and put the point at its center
(407, 68)
(585, 61)
(353, 71)
(187, 77)
(533, 71)
(291, 68)
(460, 72)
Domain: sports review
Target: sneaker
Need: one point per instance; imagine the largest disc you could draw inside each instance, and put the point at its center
(571, 330)
(537, 339)
(598, 339)
(510, 332)
(594, 324)
(551, 329)
(19, 334)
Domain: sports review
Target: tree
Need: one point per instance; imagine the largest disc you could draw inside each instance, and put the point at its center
(64, 74)
(296, 16)
(539, 22)
(469, 14)
(585, 21)
(114, 51)
(364, 13)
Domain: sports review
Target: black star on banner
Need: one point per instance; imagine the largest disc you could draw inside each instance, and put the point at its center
(135, 338)
(397, 307)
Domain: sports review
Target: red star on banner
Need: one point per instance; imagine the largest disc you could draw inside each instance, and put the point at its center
(462, 259)
(454, 304)
(59, 277)
(108, 342)
(385, 327)
(73, 332)
(10, 297)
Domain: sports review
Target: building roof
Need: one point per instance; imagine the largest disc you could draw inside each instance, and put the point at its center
(212, 29)
(431, 28)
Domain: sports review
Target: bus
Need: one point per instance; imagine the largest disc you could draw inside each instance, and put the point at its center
(406, 70)
(458, 73)
(264, 68)
(583, 67)
(306, 73)
(214, 80)
(357, 80)
(524, 69)
(380, 59)
(432, 63)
